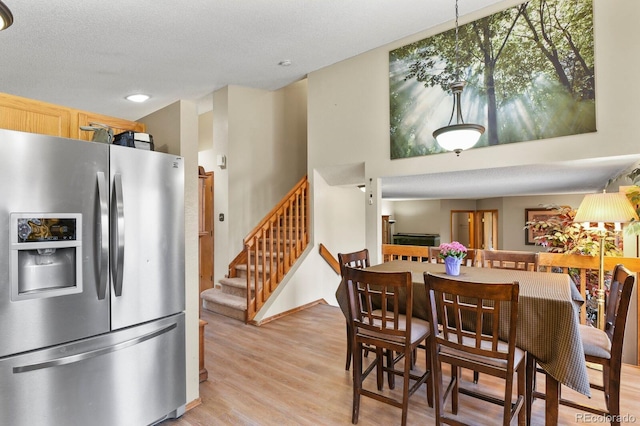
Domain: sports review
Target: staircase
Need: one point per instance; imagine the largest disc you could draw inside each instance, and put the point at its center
(270, 250)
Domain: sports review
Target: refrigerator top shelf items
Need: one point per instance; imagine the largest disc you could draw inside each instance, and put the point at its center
(134, 140)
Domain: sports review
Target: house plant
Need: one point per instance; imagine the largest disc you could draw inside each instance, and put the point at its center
(560, 234)
(452, 253)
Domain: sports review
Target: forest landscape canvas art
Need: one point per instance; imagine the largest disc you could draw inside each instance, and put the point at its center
(529, 73)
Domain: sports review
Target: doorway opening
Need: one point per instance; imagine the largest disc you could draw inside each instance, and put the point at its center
(477, 229)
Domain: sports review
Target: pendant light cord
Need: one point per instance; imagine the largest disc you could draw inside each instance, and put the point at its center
(457, 66)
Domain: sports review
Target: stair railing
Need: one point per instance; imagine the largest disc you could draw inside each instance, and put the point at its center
(271, 249)
(329, 258)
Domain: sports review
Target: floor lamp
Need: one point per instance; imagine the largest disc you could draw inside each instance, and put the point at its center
(604, 208)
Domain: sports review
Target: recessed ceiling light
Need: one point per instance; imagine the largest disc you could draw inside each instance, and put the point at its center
(284, 63)
(137, 98)
(6, 18)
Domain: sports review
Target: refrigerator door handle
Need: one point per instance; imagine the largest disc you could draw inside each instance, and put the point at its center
(93, 353)
(103, 236)
(117, 243)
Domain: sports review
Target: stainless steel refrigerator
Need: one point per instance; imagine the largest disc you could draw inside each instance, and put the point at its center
(91, 283)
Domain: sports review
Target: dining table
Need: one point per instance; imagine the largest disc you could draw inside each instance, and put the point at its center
(547, 326)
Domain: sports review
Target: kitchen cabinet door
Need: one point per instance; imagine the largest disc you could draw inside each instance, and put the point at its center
(27, 115)
(32, 116)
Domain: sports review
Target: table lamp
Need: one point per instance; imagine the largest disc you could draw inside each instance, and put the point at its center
(604, 208)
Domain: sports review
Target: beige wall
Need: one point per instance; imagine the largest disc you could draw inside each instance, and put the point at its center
(512, 217)
(417, 216)
(205, 131)
(175, 130)
(263, 136)
(338, 213)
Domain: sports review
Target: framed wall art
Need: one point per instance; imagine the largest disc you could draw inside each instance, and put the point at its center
(528, 73)
(537, 214)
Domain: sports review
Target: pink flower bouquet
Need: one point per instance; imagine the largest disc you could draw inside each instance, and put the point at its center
(452, 249)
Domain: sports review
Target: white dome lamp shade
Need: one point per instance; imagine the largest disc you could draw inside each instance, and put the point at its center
(460, 136)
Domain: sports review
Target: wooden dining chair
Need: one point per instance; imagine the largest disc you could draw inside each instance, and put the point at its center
(470, 258)
(392, 252)
(468, 337)
(356, 259)
(508, 259)
(434, 255)
(603, 347)
(380, 306)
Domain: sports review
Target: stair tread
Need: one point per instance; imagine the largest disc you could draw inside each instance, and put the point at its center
(239, 282)
(217, 296)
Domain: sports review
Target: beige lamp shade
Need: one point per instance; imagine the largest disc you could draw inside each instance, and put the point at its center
(606, 207)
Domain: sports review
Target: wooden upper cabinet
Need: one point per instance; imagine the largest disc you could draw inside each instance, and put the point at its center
(31, 116)
(28, 115)
(117, 124)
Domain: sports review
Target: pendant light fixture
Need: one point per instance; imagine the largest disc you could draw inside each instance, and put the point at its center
(460, 136)
(6, 18)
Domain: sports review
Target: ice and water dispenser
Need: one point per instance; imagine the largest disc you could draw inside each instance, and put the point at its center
(46, 255)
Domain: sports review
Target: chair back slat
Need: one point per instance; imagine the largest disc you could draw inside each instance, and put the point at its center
(356, 259)
(401, 252)
(377, 301)
(507, 259)
(470, 315)
(470, 259)
(434, 255)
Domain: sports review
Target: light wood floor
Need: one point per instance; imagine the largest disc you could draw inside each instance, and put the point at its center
(291, 372)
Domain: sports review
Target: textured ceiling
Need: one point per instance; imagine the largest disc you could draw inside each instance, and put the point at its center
(90, 54)
(569, 177)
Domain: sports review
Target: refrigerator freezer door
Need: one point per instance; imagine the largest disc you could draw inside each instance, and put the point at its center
(49, 270)
(147, 235)
(130, 377)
